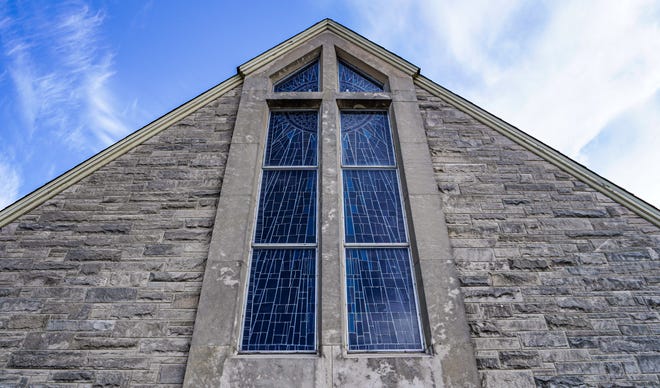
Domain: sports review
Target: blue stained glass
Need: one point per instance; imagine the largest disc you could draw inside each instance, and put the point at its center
(280, 312)
(382, 312)
(287, 207)
(366, 139)
(304, 80)
(292, 138)
(351, 80)
(372, 207)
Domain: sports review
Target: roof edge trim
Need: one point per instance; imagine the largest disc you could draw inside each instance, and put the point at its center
(327, 25)
(82, 170)
(632, 202)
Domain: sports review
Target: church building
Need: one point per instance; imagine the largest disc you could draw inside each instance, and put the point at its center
(329, 217)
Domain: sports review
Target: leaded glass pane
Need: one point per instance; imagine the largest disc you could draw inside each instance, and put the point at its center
(304, 80)
(351, 80)
(366, 139)
(280, 312)
(382, 311)
(372, 207)
(292, 138)
(287, 207)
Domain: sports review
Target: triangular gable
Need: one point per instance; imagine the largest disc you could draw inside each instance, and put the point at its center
(87, 167)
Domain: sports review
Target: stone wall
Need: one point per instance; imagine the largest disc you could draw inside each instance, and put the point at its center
(560, 282)
(99, 285)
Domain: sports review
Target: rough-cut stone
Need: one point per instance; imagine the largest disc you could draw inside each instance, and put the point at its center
(584, 268)
(108, 295)
(559, 381)
(171, 374)
(76, 299)
(93, 255)
(47, 359)
(519, 359)
(73, 376)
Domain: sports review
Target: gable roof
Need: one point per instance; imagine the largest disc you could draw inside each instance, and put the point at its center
(74, 175)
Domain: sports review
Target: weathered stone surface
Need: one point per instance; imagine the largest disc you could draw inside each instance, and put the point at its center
(567, 322)
(543, 339)
(559, 381)
(27, 321)
(649, 363)
(80, 325)
(20, 304)
(105, 343)
(171, 374)
(584, 268)
(93, 255)
(175, 276)
(47, 359)
(519, 359)
(107, 295)
(509, 379)
(73, 376)
(75, 296)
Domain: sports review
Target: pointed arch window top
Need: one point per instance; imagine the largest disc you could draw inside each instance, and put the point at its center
(303, 80)
(352, 80)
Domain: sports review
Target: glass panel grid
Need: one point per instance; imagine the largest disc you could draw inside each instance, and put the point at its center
(382, 307)
(366, 139)
(304, 80)
(372, 207)
(287, 207)
(292, 139)
(280, 310)
(351, 80)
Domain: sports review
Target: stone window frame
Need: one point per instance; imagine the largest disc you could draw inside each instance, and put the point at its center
(219, 316)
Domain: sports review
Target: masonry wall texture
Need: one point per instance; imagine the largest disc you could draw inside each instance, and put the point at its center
(560, 282)
(99, 285)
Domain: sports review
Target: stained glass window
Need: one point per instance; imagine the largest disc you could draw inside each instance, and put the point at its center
(366, 139)
(287, 207)
(280, 309)
(352, 80)
(304, 80)
(372, 207)
(280, 312)
(292, 138)
(382, 311)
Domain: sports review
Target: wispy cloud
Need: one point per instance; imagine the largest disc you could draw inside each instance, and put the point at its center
(60, 70)
(56, 81)
(559, 70)
(10, 182)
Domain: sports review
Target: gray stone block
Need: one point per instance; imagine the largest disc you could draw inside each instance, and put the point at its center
(109, 295)
(519, 359)
(93, 255)
(509, 379)
(543, 339)
(20, 304)
(559, 381)
(171, 374)
(649, 363)
(73, 376)
(39, 359)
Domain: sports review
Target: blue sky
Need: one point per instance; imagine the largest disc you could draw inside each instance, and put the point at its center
(76, 76)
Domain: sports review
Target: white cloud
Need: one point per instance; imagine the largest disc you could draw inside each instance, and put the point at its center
(61, 73)
(10, 183)
(559, 70)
